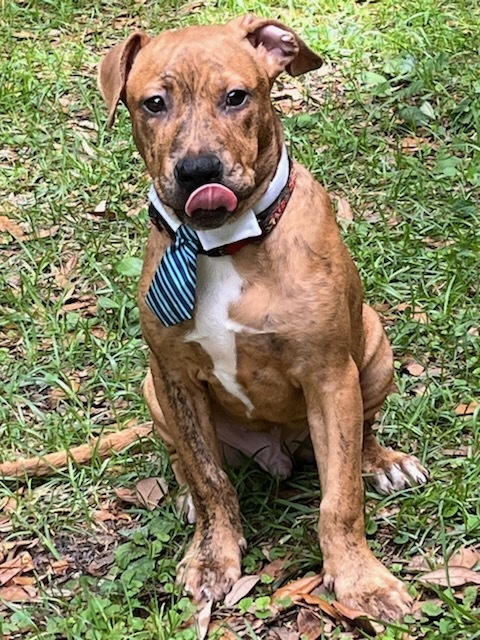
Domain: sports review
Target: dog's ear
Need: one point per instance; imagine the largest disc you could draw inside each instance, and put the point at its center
(278, 45)
(114, 69)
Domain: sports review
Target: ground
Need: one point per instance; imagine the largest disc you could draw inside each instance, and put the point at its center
(389, 124)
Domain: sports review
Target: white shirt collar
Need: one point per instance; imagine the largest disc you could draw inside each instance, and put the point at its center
(244, 227)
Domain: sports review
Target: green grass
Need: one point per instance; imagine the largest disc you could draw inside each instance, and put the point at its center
(71, 355)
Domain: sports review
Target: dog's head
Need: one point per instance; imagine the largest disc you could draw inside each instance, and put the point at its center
(200, 109)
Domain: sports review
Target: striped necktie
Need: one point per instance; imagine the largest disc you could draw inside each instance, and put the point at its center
(171, 296)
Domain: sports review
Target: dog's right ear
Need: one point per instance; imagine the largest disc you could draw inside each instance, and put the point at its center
(114, 69)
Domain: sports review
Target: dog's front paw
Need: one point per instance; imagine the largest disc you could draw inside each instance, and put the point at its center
(389, 471)
(371, 588)
(212, 564)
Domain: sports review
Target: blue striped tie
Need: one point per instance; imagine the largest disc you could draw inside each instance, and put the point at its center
(171, 296)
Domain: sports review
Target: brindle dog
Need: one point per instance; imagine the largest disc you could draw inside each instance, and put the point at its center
(280, 345)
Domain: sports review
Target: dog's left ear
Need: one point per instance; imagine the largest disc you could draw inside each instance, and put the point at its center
(279, 46)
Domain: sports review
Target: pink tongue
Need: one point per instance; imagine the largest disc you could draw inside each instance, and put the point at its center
(211, 197)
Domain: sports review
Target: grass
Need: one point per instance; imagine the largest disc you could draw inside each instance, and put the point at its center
(394, 126)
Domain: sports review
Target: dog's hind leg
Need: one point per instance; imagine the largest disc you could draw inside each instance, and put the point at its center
(385, 469)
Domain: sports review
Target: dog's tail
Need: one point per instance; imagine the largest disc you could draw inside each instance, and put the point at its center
(100, 447)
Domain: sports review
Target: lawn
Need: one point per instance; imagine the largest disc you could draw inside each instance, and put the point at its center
(390, 123)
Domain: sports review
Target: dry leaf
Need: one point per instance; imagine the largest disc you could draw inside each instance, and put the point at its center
(203, 620)
(420, 316)
(5, 524)
(411, 145)
(466, 409)
(240, 589)
(420, 563)
(322, 604)
(59, 567)
(63, 274)
(13, 228)
(24, 581)
(462, 451)
(151, 491)
(42, 233)
(467, 557)
(414, 369)
(99, 332)
(344, 210)
(275, 568)
(309, 625)
(359, 618)
(18, 593)
(281, 633)
(102, 515)
(450, 576)
(296, 589)
(126, 495)
(100, 567)
(11, 568)
(100, 208)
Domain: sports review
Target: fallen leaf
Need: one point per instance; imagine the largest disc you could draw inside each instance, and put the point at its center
(151, 492)
(102, 515)
(466, 409)
(63, 274)
(462, 451)
(5, 524)
(281, 633)
(11, 227)
(42, 233)
(309, 625)
(359, 618)
(24, 581)
(59, 567)
(275, 568)
(11, 568)
(344, 210)
(126, 495)
(100, 566)
(420, 563)
(411, 145)
(297, 588)
(23, 35)
(240, 589)
(100, 208)
(467, 557)
(450, 576)
(322, 604)
(18, 593)
(203, 620)
(99, 332)
(414, 369)
(420, 316)
(190, 7)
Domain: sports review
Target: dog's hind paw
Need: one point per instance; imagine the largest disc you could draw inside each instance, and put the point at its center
(393, 471)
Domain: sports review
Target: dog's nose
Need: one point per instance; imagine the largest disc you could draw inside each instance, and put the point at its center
(196, 171)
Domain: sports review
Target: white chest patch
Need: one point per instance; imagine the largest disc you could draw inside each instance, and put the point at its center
(218, 286)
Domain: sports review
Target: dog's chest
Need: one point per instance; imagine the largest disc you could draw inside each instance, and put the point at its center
(219, 285)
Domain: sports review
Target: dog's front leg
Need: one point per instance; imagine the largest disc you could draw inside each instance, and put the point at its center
(335, 415)
(212, 563)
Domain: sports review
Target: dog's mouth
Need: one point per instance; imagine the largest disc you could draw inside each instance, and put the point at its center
(210, 206)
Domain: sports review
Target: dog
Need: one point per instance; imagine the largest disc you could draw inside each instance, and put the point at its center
(250, 303)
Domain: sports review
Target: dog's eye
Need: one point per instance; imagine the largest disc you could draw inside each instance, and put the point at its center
(236, 98)
(156, 104)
